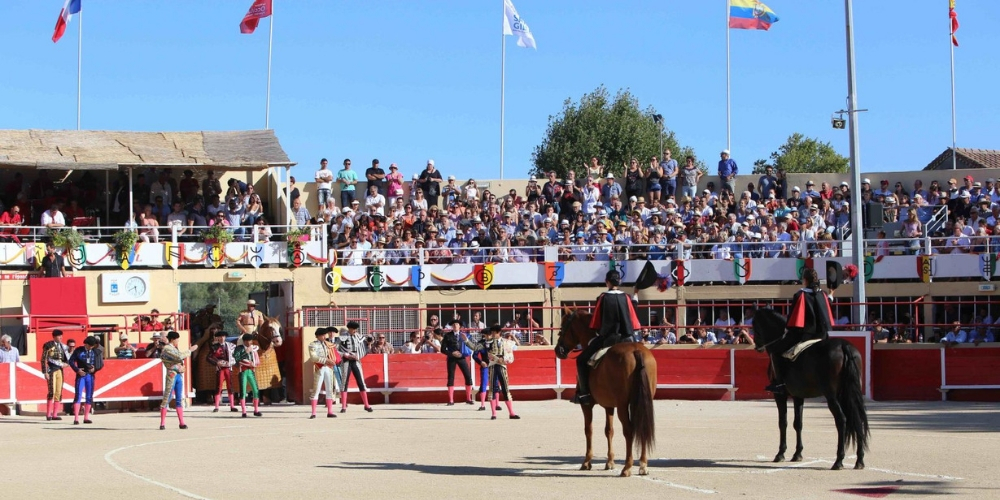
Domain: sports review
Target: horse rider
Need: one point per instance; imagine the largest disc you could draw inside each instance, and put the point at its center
(811, 319)
(615, 321)
(250, 320)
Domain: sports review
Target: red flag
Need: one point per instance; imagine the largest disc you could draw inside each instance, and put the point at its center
(259, 10)
(954, 21)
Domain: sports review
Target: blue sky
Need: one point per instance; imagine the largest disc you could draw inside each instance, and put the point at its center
(404, 81)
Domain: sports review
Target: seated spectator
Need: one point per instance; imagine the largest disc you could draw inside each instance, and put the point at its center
(380, 346)
(880, 334)
(262, 232)
(412, 346)
(124, 350)
(956, 335)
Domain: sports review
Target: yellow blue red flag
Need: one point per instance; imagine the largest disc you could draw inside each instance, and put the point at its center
(750, 15)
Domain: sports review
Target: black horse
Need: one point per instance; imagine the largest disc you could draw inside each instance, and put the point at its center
(829, 368)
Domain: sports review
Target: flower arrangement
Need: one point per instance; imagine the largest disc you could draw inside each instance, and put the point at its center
(124, 240)
(66, 238)
(217, 235)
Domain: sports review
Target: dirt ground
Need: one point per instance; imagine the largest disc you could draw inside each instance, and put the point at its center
(704, 450)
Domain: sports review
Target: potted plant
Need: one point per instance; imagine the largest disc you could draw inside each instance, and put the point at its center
(297, 236)
(66, 238)
(217, 235)
(124, 241)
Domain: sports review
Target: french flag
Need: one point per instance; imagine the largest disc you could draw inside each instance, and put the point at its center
(69, 8)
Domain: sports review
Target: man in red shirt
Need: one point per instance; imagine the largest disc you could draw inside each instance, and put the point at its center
(9, 219)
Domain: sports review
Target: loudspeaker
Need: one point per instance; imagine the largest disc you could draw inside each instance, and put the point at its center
(876, 216)
(834, 274)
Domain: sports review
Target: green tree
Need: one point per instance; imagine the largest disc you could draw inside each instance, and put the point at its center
(614, 130)
(803, 154)
(229, 298)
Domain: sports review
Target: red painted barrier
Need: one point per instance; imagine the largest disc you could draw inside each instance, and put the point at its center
(7, 383)
(906, 374)
(751, 374)
(120, 380)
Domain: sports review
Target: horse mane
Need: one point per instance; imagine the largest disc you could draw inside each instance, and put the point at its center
(768, 324)
(270, 323)
(573, 316)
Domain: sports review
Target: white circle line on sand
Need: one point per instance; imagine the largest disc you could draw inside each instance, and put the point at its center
(647, 478)
(901, 473)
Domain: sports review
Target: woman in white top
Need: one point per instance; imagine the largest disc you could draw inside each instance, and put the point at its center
(253, 211)
(262, 232)
(471, 191)
(418, 201)
(328, 212)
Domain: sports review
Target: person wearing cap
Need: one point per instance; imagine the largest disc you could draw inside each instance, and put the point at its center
(728, 170)
(155, 347)
(326, 370)
(347, 179)
(220, 356)
(324, 183)
(430, 183)
(451, 192)
(173, 386)
(352, 349)
(811, 318)
(394, 182)
(247, 358)
(610, 189)
(55, 354)
(124, 350)
(533, 191)
(85, 361)
(249, 321)
(499, 354)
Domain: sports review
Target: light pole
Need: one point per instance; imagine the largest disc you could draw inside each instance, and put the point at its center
(658, 119)
(857, 228)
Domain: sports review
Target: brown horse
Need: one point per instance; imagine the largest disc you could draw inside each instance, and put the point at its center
(267, 337)
(625, 379)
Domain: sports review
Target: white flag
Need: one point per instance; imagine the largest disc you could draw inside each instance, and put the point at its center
(514, 25)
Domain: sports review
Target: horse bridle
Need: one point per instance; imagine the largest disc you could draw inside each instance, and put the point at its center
(562, 332)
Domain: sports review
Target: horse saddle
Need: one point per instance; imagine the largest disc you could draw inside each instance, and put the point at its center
(799, 348)
(596, 358)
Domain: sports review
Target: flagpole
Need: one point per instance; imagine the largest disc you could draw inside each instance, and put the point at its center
(857, 227)
(79, 66)
(728, 108)
(270, 44)
(951, 45)
(503, 72)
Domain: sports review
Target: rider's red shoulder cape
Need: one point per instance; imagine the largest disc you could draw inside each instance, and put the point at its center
(797, 319)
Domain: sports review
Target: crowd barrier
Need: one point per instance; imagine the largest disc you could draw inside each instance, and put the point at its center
(120, 380)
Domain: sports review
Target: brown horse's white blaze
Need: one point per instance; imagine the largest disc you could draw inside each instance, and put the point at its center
(629, 366)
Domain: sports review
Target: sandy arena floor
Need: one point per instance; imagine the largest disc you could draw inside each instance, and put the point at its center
(705, 450)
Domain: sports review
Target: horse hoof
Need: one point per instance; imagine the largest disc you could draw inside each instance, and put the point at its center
(643, 471)
(859, 466)
(609, 466)
(585, 466)
(837, 466)
(626, 473)
(797, 457)
(780, 457)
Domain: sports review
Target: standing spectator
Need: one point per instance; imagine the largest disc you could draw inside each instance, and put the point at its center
(669, 172)
(188, 187)
(294, 194)
(690, 176)
(610, 189)
(453, 346)
(160, 188)
(550, 191)
(210, 186)
(633, 179)
(728, 172)
(324, 183)
(376, 177)
(430, 183)
(395, 183)
(8, 353)
(301, 214)
(594, 170)
(348, 180)
(53, 263)
(767, 182)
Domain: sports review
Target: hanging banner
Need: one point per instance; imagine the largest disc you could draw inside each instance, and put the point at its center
(987, 265)
(555, 272)
(924, 268)
(801, 265)
(483, 275)
(174, 254)
(417, 278)
(256, 255)
(216, 253)
(295, 255)
(375, 278)
(870, 267)
(77, 257)
(617, 265)
(332, 279)
(679, 271)
(742, 268)
(127, 258)
(38, 250)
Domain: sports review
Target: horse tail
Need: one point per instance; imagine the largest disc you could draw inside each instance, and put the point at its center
(852, 400)
(641, 406)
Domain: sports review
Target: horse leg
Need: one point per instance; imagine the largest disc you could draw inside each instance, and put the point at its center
(797, 425)
(627, 431)
(841, 420)
(609, 432)
(781, 400)
(588, 430)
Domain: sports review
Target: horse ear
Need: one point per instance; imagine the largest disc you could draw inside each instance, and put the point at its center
(567, 310)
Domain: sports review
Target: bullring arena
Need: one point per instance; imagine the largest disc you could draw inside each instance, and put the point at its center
(705, 449)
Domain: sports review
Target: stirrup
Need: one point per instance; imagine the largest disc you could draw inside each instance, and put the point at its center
(776, 387)
(582, 399)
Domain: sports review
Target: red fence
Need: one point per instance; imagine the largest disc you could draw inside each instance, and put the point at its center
(120, 380)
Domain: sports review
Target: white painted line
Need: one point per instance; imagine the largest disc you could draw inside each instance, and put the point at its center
(900, 473)
(111, 462)
(679, 486)
(618, 471)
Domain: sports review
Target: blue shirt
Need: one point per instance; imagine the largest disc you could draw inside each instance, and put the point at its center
(669, 169)
(347, 175)
(728, 167)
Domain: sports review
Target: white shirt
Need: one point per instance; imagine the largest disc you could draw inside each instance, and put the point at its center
(53, 218)
(377, 201)
(324, 178)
